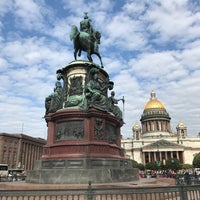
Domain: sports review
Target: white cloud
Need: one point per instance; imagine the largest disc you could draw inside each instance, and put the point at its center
(81, 6)
(125, 32)
(29, 14)
(159, 66)
(190, 58)
(134, 8)
(172, 22)
(5, 6)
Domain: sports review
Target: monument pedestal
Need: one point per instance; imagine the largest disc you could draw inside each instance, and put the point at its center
(84, 139)
(80, 171)
(73, 133)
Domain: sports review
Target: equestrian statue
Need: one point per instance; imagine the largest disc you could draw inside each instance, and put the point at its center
(86, 40)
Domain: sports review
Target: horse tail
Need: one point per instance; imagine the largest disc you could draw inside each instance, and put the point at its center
(74, 32)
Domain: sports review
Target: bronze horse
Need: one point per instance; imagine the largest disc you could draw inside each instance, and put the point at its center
(86, 42)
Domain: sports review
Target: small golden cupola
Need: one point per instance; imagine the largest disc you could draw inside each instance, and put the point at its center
(181, 130)
(155, 120)
(137, 131)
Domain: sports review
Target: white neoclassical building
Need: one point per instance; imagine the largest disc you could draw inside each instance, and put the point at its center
(153, 140)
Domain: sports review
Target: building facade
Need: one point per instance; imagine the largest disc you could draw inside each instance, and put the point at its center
(19, 150)
(154, 140)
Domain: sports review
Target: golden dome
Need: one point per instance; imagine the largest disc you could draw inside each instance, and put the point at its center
(153, 102)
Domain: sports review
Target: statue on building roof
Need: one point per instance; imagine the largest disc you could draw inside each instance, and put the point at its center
(88, 39)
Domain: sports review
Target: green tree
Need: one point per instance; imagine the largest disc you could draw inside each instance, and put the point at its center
(173, 164)
(151, 166)
(141, 166)
(134, 164)
(186, 166)
(196, 161)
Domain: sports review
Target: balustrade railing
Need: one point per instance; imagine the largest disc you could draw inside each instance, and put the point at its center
(183, 192)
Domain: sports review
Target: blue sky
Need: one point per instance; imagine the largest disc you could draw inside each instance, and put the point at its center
(145, 45)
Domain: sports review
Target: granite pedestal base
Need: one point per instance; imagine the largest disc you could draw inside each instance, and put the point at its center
(80, 171)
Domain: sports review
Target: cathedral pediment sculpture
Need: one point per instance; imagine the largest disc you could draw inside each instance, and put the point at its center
(162, 144)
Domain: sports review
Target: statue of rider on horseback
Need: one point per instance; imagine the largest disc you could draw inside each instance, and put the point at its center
(87, 39)
(86, 25)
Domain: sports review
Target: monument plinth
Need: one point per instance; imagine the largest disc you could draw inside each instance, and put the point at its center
(73, 134)
(84, 138)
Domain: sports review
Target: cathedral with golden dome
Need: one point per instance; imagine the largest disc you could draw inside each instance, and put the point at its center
(154, 140)
(155, 119)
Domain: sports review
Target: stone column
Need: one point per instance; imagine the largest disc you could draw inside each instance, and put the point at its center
(154, 154)
(166, 155)
(26, 154)
(177, 155)
(143, 158)
(149, 156)
(171, 154)
(160, 155)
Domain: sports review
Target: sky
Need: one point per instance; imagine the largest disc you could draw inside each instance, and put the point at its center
(145, 45)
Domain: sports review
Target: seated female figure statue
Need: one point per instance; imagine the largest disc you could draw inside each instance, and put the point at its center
(95, 94)
(54, 101)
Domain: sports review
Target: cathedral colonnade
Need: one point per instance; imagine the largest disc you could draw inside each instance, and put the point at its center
(161, 156)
